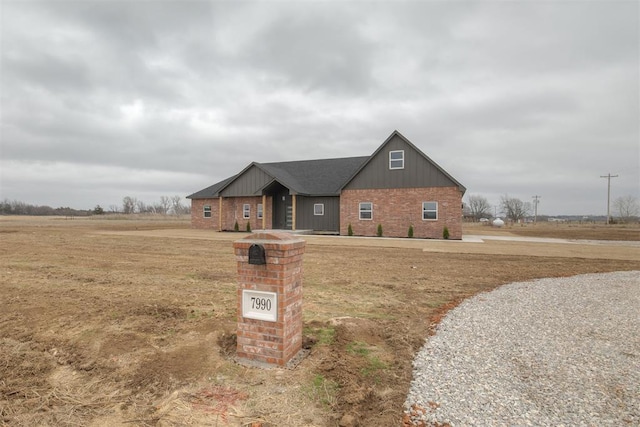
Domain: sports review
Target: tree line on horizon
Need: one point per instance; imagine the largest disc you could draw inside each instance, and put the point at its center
(165, 206)
(130, 205)
(477, 207)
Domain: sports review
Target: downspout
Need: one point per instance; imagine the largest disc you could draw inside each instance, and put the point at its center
(220, 213)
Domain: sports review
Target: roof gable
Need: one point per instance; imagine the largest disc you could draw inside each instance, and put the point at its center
(418, 171)
(212, 191)
(249, 182)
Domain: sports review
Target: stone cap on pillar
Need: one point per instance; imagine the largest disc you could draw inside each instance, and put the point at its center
(277, 244)
(268, 237)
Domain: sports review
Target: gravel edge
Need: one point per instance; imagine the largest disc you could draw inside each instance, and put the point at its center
(555, 351)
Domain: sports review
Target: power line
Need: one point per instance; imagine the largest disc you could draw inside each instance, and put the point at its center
(608, 176)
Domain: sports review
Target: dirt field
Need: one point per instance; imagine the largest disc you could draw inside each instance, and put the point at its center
(132, 322)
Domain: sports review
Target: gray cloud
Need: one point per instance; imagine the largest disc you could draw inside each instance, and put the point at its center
(149, 98)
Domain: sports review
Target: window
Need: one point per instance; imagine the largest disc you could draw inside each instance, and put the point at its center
(318, 209)
(206, 211)
(366, 210)
(246, 211)
(259, 210)
(430, 211)
(396, 159)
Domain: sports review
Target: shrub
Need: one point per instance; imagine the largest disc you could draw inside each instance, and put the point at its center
(445, 233)
(379, 230)
(248, 227)
(349, 230)
(236, 227)
(410, 232)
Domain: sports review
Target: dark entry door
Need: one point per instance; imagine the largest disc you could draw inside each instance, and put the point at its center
(282, 211)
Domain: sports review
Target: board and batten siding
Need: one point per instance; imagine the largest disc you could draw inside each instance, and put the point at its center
(306, 220)
(417, 172)
(248, 183)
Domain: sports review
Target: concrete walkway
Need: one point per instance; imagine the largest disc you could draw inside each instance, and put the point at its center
(477, 238)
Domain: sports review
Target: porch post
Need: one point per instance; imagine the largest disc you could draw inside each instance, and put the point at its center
(293, 212)
(264, 212)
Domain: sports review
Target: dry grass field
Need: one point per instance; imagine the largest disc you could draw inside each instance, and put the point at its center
(131, 322)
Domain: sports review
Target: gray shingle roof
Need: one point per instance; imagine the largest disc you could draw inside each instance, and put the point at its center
(211, 191)
(324, 177)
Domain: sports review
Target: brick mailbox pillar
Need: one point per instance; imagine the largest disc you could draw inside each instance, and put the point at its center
(269, 297)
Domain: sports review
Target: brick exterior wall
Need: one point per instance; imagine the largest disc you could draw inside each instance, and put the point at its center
(231, 212)
(197, 214)
(396, 209)
(264, 341)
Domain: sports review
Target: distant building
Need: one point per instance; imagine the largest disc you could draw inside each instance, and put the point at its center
(396, 187)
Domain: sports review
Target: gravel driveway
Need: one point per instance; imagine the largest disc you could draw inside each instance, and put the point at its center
(547, 352)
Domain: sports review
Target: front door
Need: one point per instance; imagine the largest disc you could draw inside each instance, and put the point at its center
(282, 211)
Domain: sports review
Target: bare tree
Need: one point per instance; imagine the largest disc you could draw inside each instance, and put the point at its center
(164, 205)
(479, 207)
(141, 206)
(129, 205)
(176, 205)
(627, 208)
(513, 208)
(5, 207)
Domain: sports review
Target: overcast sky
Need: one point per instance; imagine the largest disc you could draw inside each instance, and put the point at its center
(106, 99)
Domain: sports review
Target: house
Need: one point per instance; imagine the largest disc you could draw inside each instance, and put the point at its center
(396, 187)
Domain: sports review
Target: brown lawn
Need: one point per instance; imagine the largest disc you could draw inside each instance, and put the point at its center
(131, 322)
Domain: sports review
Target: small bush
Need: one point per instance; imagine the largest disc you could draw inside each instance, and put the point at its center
(248, 227)
(410, 232)
(445, 233)
(350, 230)
(236, 227)
(379, 233)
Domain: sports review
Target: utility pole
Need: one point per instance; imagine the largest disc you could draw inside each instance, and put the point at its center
(608, 176)
(536, 200)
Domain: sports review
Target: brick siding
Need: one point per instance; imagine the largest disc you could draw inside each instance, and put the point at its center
(197, 214)
(231, 212)
(396, 209)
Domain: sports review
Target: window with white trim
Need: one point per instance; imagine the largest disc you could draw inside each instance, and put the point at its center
(430, 211)
(366, 210)
(246, 211)
(206, 211)
(260, 211)
(396, 159)
(318, 209)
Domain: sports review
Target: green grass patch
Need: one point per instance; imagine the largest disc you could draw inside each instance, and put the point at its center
(323, 336)
(373, 367)
(323, 390)
(374, 364)
(359, 348)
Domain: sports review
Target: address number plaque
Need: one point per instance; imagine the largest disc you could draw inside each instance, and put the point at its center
(260, 305)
